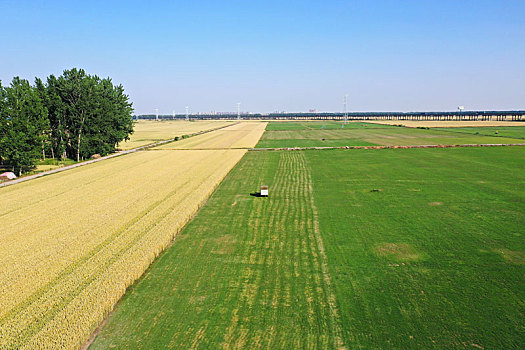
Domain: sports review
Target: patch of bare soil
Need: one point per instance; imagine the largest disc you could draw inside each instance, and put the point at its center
(512, 256)
(225, 244)
(398, 251)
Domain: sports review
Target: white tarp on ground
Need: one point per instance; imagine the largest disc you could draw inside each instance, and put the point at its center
(7, 176)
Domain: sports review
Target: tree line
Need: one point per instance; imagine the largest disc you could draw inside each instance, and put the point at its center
(75, 115)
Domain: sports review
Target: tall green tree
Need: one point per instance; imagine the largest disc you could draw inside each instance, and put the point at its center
(23, 121)
(88, 114)
(73, 116)
(2, 102)
(47, 133)
(77, 92)
(56, 115)
(111, 123)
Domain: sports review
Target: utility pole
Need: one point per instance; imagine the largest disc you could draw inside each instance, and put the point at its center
(187, 113)
(238, 111)
(156, 114)
(173, 114)
(346, 113)
(460, 108)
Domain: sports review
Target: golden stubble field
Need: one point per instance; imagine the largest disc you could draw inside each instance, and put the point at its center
(150, 131)
(239, 135)
(73, 242)
(443, 123)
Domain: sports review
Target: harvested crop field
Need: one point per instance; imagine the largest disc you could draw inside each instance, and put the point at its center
(73, 242)
(445, 124)
(238, 135)
(149, 131)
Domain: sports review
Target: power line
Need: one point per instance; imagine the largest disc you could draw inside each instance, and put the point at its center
(346, 113)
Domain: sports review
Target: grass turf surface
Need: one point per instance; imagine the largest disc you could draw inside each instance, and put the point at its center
(517, 132)
(434, 259)
(361, 136)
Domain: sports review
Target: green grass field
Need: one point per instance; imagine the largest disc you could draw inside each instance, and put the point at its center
(322, 125)
(517, 132)
(312, 138)
(366, 136)
(434, 259)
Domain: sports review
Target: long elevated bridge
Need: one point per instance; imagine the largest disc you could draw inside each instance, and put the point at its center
(455, 115)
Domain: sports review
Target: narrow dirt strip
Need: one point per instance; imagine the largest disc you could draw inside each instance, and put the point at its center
(113, 155)
(340, 147)
(385, 147)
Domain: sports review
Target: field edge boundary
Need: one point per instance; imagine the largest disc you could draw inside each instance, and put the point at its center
(385, 147)
(100, 327)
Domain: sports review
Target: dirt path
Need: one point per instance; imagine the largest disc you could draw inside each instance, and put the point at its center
(385, 147)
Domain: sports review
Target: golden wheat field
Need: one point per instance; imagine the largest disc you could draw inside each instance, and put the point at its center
(239, 135)
(150, 131)
(73, 242)
(444, 123)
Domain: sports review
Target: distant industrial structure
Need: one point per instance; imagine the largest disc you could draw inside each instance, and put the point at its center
(458, 115)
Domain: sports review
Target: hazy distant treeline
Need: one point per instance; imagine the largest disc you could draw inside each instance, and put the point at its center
(72, 116)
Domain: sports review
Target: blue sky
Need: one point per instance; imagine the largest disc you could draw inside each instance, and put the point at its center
(278, 55)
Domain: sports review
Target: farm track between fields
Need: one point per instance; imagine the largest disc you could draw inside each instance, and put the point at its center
(345, 147)
(385, 147)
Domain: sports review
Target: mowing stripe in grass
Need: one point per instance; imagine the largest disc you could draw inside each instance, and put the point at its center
(255, 278)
